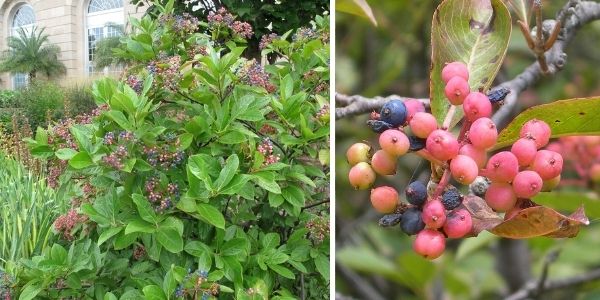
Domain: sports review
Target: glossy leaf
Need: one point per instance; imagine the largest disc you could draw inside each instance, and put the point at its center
(356, 7)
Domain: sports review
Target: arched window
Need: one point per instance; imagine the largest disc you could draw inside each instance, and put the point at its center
(102, 18)
(24, 19)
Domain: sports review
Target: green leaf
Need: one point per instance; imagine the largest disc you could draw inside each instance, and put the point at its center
(169, 238)
(475, 32)
(565, 117)
(266, 180)
(356, 7)
(81, 160)
(283, 271)
(235, 185)
(294, 195)
(144, 208)
(322, 265)
(58, 254)
(186, 140)
(65, 153)
(211, 215)
(270, 240)
(31, 290)
(235, 246)
(154, 292)
(231, 166)
(232, 138)
(108, 296)
(138, 225)
(108, 233)
(119, 118)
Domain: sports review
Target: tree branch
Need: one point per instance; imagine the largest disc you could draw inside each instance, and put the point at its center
(358, 105)
(531, 288)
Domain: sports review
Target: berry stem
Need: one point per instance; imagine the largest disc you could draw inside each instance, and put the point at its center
(426, 155)
(449, 117)
(439, 189)
(463, 131)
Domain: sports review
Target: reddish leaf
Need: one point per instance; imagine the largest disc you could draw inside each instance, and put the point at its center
(484, 218)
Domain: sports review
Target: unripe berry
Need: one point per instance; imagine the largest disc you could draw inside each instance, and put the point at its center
(451, 199)
(413, 106)
(595, 172)
(416, 193)
(434, 214)
(525, 150)
(478, 155)
(455, 69)
(361, 176)
(547, 164)
(394, 113)
(500, 196)
(411, 222)
(394, 142)
(429, 244)
(527, 184)
(536, 130)
(551, 184)
(358, 152)
(458, 223)
(383, 163)
(456, 90)
(483, 133)
(384, 199)
(477, 105)
(442, 145)
(502, 167)
(464, 169)
(423, 124)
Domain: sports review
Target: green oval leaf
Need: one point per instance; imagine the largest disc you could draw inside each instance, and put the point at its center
(211, 215)
(81, 160)
(475, 32)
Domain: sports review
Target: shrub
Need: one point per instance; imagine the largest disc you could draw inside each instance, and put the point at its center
(78, 100)
(41, 101)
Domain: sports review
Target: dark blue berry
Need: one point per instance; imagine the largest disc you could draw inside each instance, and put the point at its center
(416, 143)
(379, 126)
(451, 199)
(498, 95)
(412, 222)
(390, 220)
(416, 193)
(393, 112)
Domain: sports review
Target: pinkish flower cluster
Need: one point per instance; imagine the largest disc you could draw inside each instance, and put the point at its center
(266, 40)
(115, 159)
(135, 83)
(222, 18)
(323, 113)
(65, 224)
(242, 29)
(304, 33)
(254, 74)
(55, 169)
(161, 198)
(168, 69)
(195, 50)
(181, 24)
(268, 129)
(139, 252)
(6, 285)
(322, 87)
(318, 229)
(163, 157)
(266, 149)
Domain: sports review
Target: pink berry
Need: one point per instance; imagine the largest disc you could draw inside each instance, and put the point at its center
(383, 163)
(556, 147)
(525, 150)
(413, 106)
(500, 196)
(550, 184)
(477, 105)
(464, 169)
(527, 184)
(502, 167)
(429, 244)
(456, 90)
(478, 155)
(394, 142)
(384, 199)
(361, 176)
(358, 152)
(455, 69)
(483, 133)
(423, 124)
(538, 131)
(458, 223)
(442, 145)
(595, 172)
(434, 214)
(548, 164)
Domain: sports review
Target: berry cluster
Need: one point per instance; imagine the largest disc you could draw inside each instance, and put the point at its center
(6, 285)
(318, 228)
(225, 19)
(65, 224)
(267, 39)
(195, 285)
(304, 33)
(522, 172)
(135, 83)
(582, 157)
(167, 68)
(266, 149)
(160, 197)
(253, 73)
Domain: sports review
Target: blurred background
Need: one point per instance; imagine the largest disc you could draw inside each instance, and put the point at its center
(378, 263)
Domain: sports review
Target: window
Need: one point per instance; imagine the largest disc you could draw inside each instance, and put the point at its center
(24, 19)
(103, 17)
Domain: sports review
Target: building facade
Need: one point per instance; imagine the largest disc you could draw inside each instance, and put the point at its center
(73, 25)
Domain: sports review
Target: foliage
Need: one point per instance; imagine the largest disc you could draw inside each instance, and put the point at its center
(103, 54)
(31, 53)
(202, 174)
(41, 102)
(78, 100)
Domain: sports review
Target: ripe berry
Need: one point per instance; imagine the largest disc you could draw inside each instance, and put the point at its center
(423, 124)
(434, 214)
(442, 145)
(394, 113)
(394, 142)
(358, 152)
(502, 167)
(536, 130)
(478, 155)
(500, 196)
(384, 199)
(383, 163)
(412, 222)
(429, 244)
(456, 90)
(483, 133)
(595, 172)
(524, 149)
(548, 164)
(527, 184)
(361, 176)
(416, 143)
(390, 220)
(458, 223)
(379, 126)
(416, 193)
(454, 69)
(451, 199)
(413, 106)
(550, 184)
(477, 105)
(464, 169)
